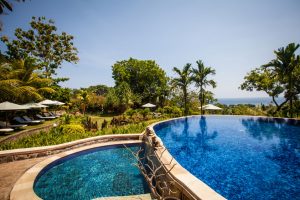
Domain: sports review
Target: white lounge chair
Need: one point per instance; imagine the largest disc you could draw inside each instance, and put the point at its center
(6, 130)
(22, 121)
(8, 125)
(31, 120)
(41, 117)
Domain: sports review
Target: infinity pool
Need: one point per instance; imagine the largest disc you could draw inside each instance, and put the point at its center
(239, 157)
(99, 172)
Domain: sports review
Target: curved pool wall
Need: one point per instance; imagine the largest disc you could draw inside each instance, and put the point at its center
(240, 157)
(24, 187)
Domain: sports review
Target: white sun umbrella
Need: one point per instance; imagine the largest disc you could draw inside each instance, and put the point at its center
(8, 106)
(35, 105)
(148, 105)
(58, 103)
(48, 102)
(211, 107)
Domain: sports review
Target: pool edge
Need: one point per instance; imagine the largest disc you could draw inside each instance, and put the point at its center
(195, 188)
(23, 188)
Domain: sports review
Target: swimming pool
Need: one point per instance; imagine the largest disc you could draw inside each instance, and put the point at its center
(93, 173)
(239, 157)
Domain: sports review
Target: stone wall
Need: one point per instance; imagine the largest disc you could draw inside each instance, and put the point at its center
(24, 133)
(27, 153)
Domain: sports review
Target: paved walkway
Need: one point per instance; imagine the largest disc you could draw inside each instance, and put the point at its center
(11, 172)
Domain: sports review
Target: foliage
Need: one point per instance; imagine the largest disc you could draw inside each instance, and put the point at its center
(104, 124)
(124, 95)
(72, 129)
(130, 112)
(99, 90)
(279, 76)
(200, 78)
(119, 120)
(20, 82)
(146, 80)
(43, 43)
(89, 125)
(242, 109)
(183, 82)
(66, 119)
(112, 101)
(61, 94)
(171, 111)
(71, 133)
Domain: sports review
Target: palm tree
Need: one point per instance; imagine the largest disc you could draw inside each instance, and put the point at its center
(20, 81)
(200, 78)
(183, 82)
(286, 64)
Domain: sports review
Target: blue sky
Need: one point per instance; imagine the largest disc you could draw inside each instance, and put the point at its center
(231, 36)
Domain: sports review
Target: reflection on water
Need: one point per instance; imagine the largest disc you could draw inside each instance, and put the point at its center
(285, 153)
(239, 157)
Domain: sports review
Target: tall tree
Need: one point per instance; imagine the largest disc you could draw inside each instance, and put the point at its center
(285, 65)
(264, 79)
(183, 82)
(146, 80)
(43, 43)
(20, 81)
(200, 78)
(279, 76)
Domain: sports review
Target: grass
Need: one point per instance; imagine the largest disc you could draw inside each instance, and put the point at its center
(28, 128)
(58, 136)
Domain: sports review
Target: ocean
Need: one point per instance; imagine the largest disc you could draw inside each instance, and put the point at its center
(252, 100)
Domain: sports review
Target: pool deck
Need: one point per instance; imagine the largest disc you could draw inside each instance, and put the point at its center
(132, 197)
(11, 172)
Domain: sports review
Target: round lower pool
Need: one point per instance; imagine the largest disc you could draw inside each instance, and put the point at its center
(90, 174)
(239, 157)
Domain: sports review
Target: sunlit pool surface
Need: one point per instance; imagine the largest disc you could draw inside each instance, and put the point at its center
(239, 157)
(100, 172)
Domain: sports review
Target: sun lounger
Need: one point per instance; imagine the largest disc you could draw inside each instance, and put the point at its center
(15, 126)
(31, 120)
(50, 115)
(22, 121)
(54, 114)
(5, 130)
(41, 117)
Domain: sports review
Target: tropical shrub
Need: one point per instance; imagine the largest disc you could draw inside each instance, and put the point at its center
(89, 125)
(172, 111)
(72, 129)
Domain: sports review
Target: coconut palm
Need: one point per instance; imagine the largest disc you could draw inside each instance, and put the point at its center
(183, 82)
(200, 78)
(20, 81)
(286, 66)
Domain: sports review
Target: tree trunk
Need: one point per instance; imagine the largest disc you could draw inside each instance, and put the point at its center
(291, 96)
(185, 102)
(201, 100)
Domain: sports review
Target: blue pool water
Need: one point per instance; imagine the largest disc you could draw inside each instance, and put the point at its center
(239, 157)
(100, 172)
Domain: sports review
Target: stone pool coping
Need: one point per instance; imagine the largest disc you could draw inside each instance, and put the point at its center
(194, 186)
(23, 188)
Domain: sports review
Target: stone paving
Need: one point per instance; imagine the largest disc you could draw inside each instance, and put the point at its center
(11, 172)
